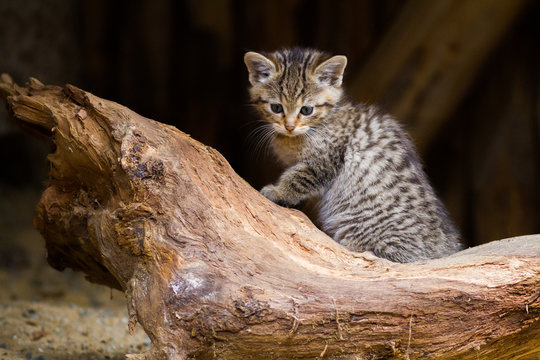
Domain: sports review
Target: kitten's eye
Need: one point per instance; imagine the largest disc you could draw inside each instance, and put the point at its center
(306, 110)
(277, 108)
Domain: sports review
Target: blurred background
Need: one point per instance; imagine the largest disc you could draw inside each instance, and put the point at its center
(462, 76)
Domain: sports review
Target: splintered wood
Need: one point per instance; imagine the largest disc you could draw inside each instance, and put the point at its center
(211, 269)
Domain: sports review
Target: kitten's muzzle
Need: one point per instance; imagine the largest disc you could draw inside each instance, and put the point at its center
(290, 130)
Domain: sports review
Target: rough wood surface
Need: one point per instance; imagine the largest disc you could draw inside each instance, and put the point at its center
(211, 269)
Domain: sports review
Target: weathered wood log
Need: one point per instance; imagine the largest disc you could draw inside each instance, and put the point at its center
(211, 269)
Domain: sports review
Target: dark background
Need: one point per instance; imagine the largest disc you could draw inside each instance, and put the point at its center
(181, 62)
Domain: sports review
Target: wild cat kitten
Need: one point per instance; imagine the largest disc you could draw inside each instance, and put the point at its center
(374, 194)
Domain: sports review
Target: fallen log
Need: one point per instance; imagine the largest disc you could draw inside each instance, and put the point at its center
(211, 269)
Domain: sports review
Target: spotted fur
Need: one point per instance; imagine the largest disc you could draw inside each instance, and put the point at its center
(374, 195)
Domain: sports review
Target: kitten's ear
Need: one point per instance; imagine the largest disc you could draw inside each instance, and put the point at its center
(330, 72)
(260, 67)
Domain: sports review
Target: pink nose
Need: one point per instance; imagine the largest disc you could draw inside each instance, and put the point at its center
(289, 127)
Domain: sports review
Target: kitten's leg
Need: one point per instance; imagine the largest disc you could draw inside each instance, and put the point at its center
(295, 185)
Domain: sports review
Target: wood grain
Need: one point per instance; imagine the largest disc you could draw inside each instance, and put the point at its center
(211, 269)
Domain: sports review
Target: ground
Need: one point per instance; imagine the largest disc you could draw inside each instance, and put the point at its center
(46, 314)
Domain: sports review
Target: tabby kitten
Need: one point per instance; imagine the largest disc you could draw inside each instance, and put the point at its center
(374, 195)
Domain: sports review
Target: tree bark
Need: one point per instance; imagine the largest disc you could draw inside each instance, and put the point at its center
(211, 269)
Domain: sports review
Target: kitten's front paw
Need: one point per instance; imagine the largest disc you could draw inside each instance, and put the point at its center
(272, 193)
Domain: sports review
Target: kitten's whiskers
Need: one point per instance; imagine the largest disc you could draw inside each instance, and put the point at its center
(259, 139)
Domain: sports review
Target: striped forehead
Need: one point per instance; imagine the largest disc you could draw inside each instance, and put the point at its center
(293, 66)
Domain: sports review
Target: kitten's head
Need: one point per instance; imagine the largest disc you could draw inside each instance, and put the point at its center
(295, 89)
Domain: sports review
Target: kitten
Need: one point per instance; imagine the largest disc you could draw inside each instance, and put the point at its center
(374, 194)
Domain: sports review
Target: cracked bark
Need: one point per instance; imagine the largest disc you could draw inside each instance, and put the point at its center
(211, 269)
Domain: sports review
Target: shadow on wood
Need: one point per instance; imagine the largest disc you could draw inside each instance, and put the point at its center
(212, 269)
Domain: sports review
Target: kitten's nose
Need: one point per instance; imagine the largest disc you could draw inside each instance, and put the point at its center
(289, 127)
